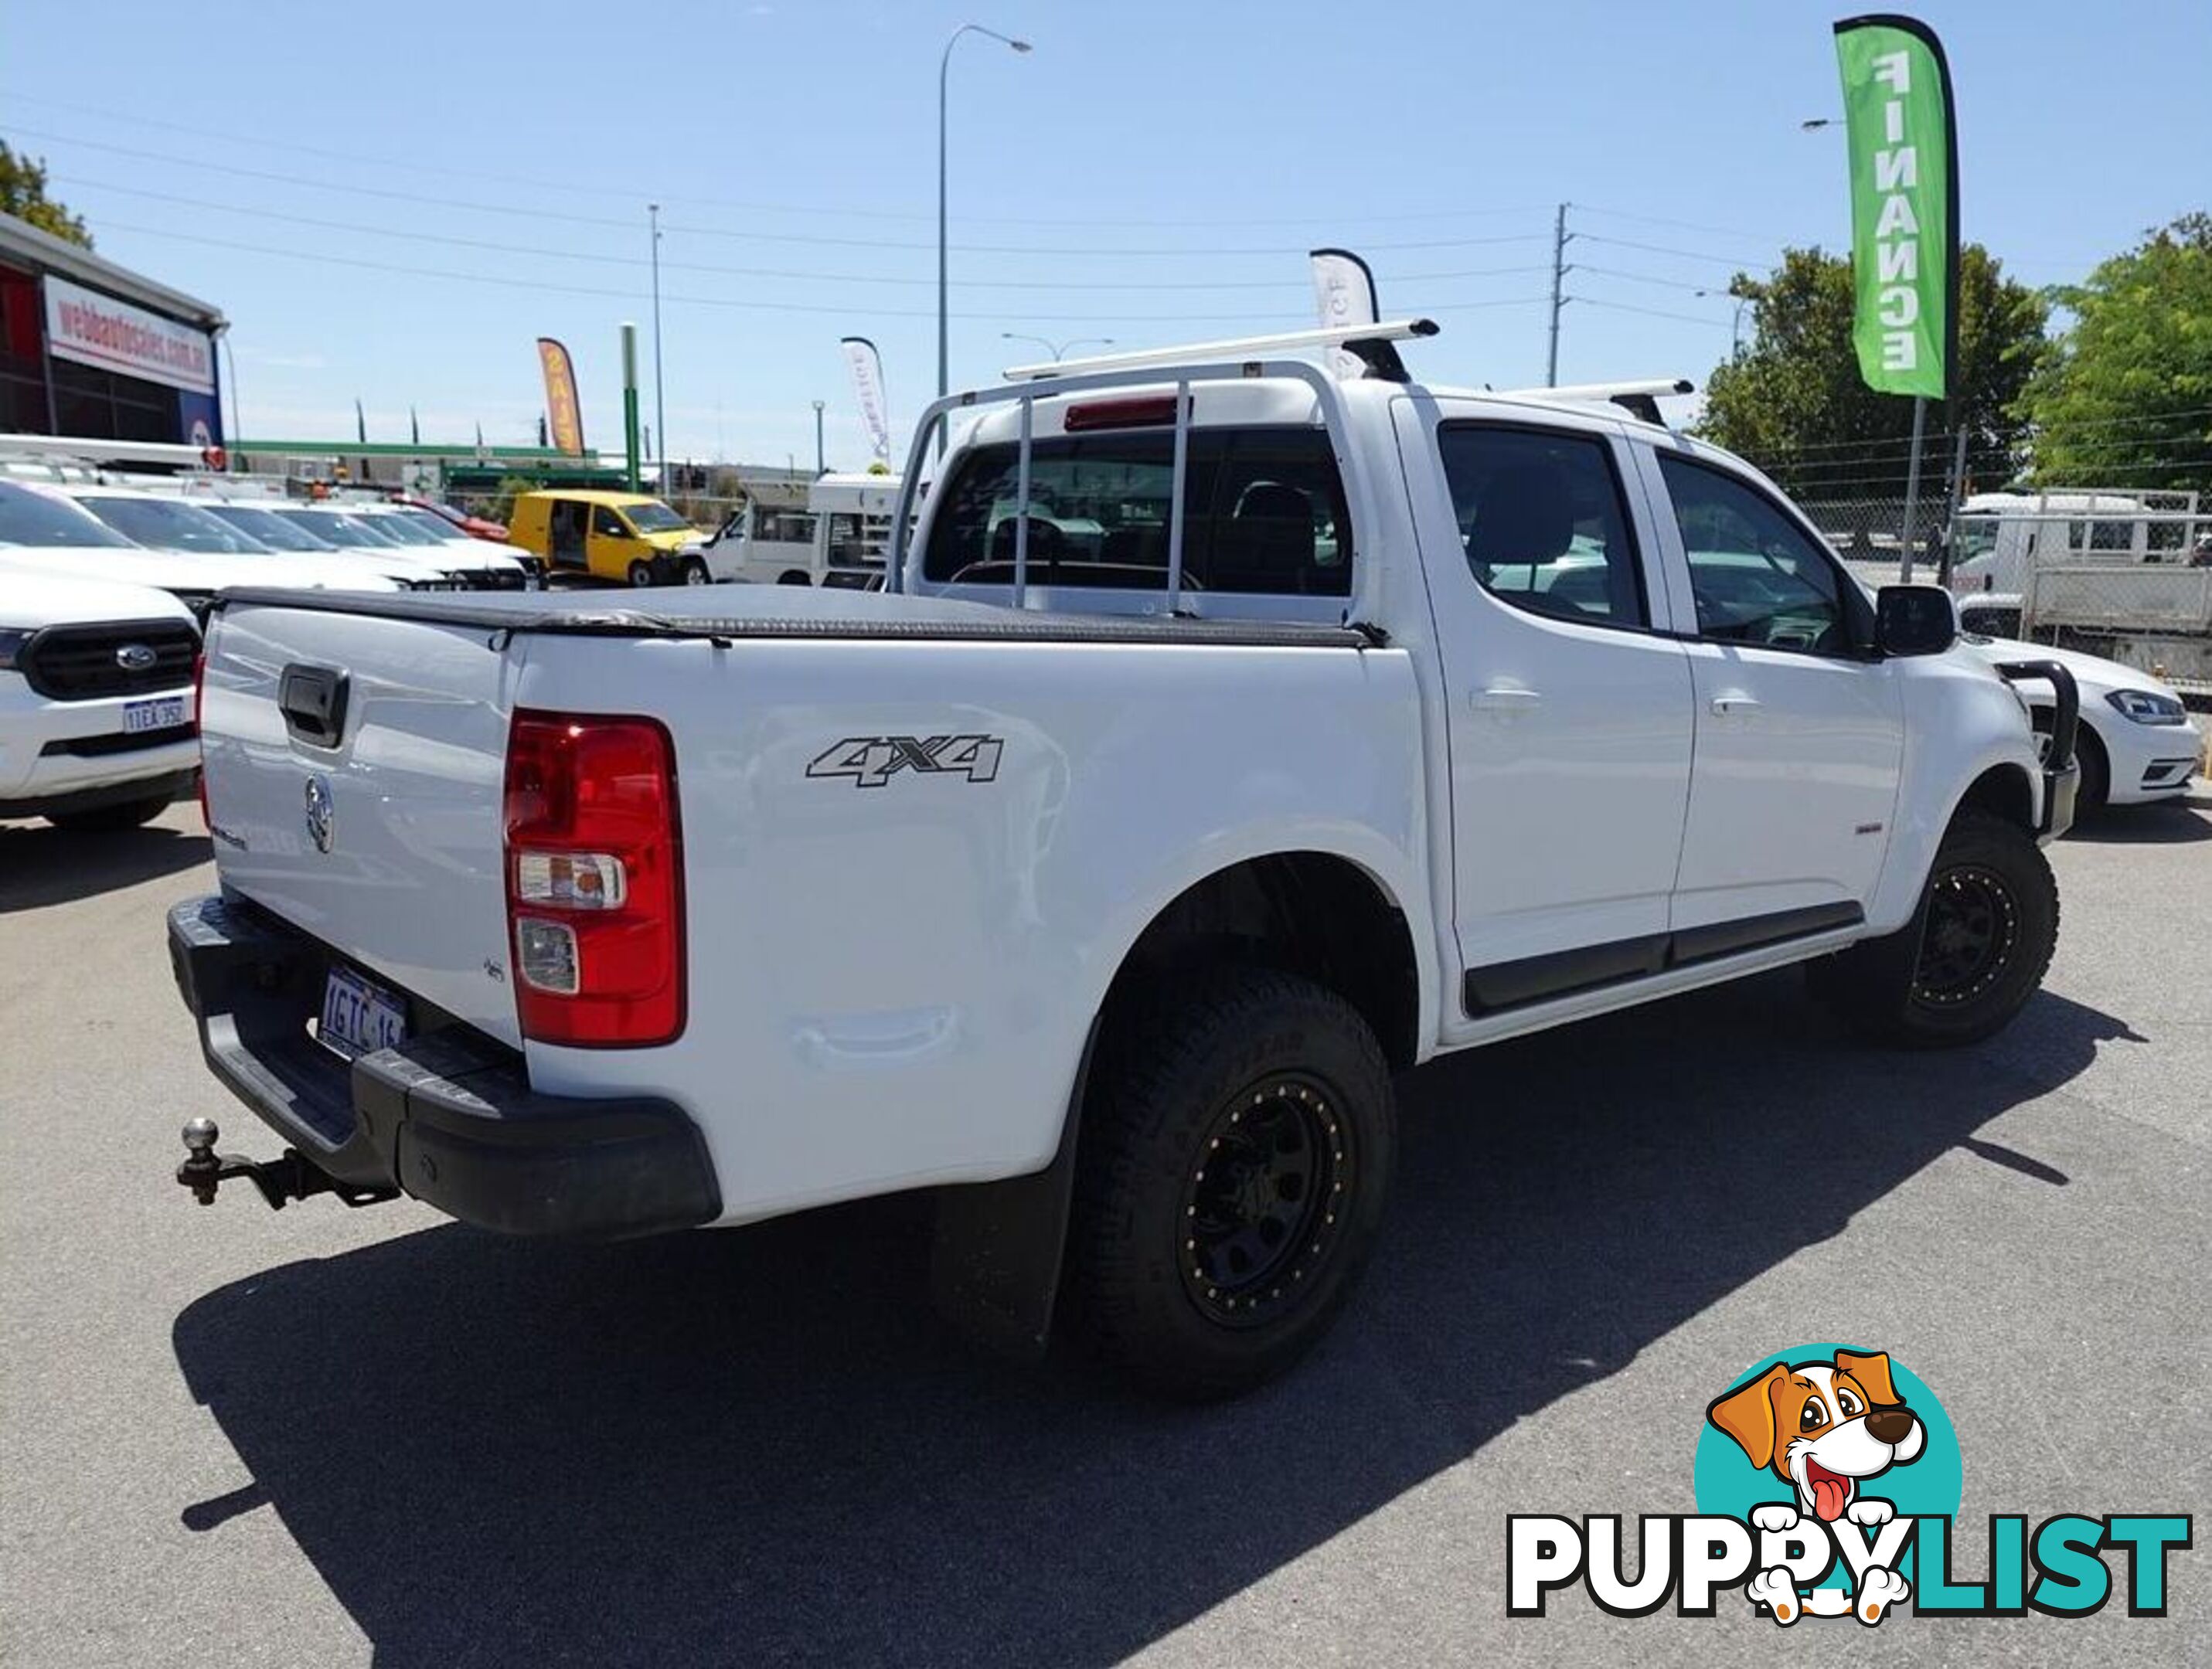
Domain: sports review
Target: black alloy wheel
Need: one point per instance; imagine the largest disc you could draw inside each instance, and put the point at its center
(1261, 1206)
(1972, 933)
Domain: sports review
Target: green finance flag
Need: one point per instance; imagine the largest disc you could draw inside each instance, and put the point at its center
(1904, 203)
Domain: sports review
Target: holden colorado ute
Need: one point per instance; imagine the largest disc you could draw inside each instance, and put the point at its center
(1227, 736)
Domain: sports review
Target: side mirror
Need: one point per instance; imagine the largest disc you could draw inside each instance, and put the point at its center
(1914, 620)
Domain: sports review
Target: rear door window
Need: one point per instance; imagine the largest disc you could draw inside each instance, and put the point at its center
(1541, 519)
(1263, 513)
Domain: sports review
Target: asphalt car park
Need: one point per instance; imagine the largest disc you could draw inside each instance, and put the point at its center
(330, 1436)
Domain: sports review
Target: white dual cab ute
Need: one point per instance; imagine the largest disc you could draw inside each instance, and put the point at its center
(1230, 737)
(96, 722)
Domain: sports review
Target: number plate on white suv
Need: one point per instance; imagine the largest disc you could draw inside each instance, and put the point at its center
(360, 1017)
(157, 714)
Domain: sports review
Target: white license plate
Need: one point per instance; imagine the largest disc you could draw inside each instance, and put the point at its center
(358, 1017)
(157, 714)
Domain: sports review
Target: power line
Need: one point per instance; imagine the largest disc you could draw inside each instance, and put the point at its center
(1648, 278)
(1683, 254)
(1654, 312)
(1686, 226)
(847, 310)
(503, 247)
(571, 187)
(628, 225)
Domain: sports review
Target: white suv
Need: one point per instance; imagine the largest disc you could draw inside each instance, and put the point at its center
(97, 723)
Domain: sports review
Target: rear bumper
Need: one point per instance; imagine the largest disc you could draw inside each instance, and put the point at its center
(447, 1116)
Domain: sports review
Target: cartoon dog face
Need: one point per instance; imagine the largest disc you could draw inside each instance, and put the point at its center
(1822, 1426)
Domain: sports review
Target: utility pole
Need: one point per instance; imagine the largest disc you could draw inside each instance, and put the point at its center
(1558, 297)
(659, 409)
(821, 469)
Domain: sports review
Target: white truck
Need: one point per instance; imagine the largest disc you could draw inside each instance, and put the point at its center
(1099, 887)
(2127, 576)
(838, 539)
(96, 719)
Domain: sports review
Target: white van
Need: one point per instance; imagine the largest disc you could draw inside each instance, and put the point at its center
(838, 539)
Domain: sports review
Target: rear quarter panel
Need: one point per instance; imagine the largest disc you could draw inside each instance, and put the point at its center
(891, 985)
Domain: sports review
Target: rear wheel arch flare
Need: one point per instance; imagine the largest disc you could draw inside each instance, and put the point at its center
(1316, 913)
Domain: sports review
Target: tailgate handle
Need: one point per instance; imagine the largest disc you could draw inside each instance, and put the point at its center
(312, 699)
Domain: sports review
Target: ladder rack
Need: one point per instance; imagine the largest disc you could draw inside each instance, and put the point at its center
(1232, 361)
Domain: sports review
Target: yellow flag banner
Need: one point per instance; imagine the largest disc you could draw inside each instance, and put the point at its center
(563, 413)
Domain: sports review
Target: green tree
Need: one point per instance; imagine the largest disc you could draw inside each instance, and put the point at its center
(2124, 399)
(23, 194)
(1791, 399)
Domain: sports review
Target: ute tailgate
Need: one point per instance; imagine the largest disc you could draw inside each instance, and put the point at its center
(354, 768)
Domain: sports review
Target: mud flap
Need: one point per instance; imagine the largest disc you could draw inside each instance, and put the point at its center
(994, 1262)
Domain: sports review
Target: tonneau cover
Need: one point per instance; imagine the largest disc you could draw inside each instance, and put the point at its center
(789, 612)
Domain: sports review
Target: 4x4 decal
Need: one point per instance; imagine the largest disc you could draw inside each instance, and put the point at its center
(872, 761)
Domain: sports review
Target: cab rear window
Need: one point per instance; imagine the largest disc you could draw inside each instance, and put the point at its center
(1263, 513)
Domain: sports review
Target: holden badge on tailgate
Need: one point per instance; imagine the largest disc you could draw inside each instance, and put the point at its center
(321, 813)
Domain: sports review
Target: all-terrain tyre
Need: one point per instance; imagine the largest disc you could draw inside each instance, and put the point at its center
(1971, 956)
(2092, 794)
(1238, 1140)
(111, 819)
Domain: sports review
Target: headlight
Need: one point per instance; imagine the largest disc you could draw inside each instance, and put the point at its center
(11, 645)
(2147, 708)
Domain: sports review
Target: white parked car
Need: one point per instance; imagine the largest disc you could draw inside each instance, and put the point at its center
(97, 725)
(1098, 885)
(450, 536)
(477, 564)
(270, 524)
(43, 529)
(2137, 743)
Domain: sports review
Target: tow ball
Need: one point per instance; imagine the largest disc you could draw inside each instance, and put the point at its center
(290, 1176)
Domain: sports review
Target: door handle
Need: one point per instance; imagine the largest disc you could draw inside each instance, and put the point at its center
(1505, 698)
(1726, 705)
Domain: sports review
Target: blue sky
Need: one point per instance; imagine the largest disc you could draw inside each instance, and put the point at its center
(390, 203)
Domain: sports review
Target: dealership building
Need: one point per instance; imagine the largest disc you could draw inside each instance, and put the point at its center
(89, 348)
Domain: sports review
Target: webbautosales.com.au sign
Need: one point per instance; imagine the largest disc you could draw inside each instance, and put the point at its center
(93, 329)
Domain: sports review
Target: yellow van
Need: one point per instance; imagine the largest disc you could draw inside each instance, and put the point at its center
(608, 536)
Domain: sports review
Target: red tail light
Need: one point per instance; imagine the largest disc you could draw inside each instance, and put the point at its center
(595, 880)
(1131, 411)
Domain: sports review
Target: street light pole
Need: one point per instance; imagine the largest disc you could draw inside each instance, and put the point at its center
(944, 83)
(821, 469)
(1057, 350)
(659, 409)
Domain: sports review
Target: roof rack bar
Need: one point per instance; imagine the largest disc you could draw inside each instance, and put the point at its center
(1601, 391)
(1259, 346)
(1182, 475)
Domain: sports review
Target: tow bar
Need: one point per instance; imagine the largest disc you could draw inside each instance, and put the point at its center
(288, 1177)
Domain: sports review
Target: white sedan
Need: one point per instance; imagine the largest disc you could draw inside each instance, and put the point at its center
(2137, 742)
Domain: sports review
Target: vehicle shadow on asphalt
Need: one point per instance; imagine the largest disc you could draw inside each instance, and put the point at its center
(2173, 823)
(41, 865)
(762, 1445)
